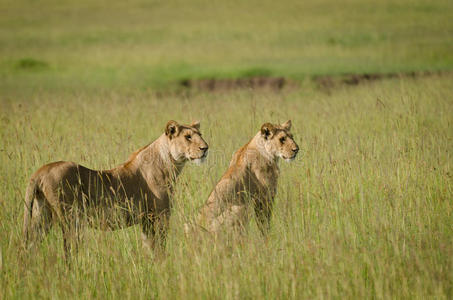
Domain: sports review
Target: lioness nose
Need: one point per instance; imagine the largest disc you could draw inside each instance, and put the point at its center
(295, 150)
(204, 148)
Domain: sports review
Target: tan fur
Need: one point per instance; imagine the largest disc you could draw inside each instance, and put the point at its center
(137, 191)
(250, 179)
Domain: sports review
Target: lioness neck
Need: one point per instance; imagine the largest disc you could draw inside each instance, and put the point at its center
(262, 164)
(262, 156)
(156, 164)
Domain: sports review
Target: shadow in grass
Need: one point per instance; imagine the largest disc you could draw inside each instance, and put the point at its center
(31, 64)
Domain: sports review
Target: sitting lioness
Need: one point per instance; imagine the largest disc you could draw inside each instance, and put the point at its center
(137, 191)
(251, 178)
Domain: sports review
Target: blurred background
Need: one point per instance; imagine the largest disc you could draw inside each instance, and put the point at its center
(153, 44)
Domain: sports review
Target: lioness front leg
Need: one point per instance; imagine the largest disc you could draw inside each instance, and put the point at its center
(147, 235)
(71, 239)
(263, 212)
(154, 231)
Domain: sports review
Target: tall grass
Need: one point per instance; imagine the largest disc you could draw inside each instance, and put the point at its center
(366, 211)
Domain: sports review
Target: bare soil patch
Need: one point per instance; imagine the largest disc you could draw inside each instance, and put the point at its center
(328, 82)
(226, 84)
(277, 84)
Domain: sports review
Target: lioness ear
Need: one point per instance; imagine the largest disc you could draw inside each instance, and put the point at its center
(287, 125)
(195, 124)
(171, 129)
(267, 130)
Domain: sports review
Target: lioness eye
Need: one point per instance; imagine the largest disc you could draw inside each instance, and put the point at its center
(188, 137)
(282, 140)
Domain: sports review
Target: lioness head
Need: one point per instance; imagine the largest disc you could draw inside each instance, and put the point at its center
(278, 141)
(185, 142)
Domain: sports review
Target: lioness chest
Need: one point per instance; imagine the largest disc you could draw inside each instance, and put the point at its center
(261, 181)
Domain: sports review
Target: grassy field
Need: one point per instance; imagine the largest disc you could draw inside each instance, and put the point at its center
(365, 211)
(100, 44)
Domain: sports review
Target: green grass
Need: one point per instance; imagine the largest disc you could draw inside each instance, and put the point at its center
(365, 212)
(143, 44)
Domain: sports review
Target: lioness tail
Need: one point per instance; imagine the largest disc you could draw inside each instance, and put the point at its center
(30, 195)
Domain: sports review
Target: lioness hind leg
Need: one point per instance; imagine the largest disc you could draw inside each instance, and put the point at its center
(40, 222)
(237, 217)
(234, 218)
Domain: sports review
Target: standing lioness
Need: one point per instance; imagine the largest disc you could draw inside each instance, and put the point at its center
(137, 191)
(251, 177)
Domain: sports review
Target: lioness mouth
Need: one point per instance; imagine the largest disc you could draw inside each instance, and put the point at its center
(290, 158)
(201, 157)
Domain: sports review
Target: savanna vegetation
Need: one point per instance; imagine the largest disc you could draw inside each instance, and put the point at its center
(364, 212)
